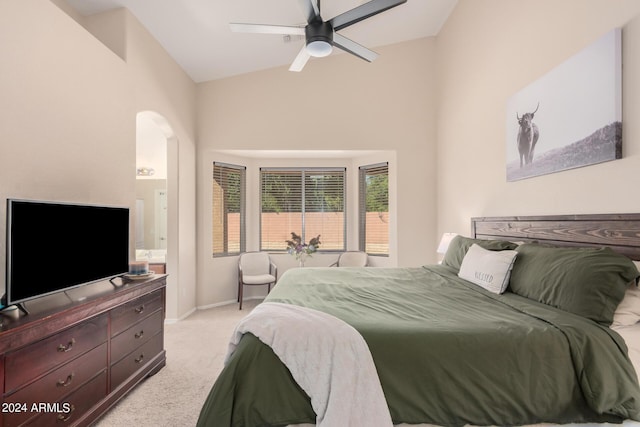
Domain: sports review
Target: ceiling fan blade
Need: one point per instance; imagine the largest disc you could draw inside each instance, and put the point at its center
(364, 11)
(311, 9)
(266, 29)
(301, 60)
(354, 48)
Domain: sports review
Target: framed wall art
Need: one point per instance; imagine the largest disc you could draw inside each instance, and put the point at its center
(570, 117)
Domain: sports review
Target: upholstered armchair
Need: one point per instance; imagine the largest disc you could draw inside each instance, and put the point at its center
(255, 268)
(352, 259)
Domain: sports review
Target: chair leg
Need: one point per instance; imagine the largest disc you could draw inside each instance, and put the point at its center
(240, 295)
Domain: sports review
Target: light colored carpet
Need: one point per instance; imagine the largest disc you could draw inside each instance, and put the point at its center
(196, 347)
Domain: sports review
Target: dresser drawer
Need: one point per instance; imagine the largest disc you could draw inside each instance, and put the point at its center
(75, 405)
(22, 366)
(57, 384)
(135, 336)
(136, 360)
(129, 313)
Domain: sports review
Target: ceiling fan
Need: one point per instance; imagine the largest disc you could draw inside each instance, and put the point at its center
(322, 35)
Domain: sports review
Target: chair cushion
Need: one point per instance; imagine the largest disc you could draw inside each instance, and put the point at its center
(260, 279)
(352, 259)
(255, 263)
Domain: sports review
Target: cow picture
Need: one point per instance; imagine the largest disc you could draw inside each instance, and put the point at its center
(528, 135)
(571, 116)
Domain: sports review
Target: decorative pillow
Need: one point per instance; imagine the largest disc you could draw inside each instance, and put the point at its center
(460, 245)
(589, 282)
(488, 269)
(628, 312)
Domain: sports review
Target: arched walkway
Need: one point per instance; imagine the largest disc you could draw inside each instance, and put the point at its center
(172, 260)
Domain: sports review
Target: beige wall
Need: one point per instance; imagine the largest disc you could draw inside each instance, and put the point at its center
(64, 103)
(68, 108)
(487, 51)
(338, 103)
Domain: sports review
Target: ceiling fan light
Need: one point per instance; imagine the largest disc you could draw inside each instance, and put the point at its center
(319, 48)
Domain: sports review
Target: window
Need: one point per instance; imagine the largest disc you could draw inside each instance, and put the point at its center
(309, 202)
(374, 209)
(228, 209)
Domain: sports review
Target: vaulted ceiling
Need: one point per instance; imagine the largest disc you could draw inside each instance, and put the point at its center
(196, 33)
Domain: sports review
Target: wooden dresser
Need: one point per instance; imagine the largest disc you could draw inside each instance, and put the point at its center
(77, 353)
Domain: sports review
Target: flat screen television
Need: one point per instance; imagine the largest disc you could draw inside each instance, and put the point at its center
(53, 246)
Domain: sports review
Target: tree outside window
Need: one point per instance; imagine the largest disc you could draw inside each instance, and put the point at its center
(374, 209)
(228, 217)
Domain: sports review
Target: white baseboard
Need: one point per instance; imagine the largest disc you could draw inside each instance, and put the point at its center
(220, 304)
(205, 307)
(184, 316)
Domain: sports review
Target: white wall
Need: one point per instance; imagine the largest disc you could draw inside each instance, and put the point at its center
(338, 103)
(487, 51)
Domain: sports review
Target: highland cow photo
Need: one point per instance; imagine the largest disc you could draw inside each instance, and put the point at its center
(570, 117)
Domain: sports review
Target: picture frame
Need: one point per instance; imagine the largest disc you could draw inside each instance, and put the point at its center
(571, 117)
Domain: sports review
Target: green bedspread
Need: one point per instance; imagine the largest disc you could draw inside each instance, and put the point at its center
(447, 352)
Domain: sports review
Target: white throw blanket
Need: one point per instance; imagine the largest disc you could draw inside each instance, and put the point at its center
(328, 358)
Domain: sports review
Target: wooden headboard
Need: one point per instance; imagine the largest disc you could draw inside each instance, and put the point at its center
(621, 232)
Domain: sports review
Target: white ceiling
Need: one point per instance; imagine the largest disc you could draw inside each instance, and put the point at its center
(196, 32)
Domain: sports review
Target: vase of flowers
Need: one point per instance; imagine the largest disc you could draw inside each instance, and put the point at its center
(301, 250)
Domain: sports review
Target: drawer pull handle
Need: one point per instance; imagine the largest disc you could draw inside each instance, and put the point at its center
(140, 309)
(66, 417)
(67, 382)
(139, 359)
(139, 334)
(65, 348)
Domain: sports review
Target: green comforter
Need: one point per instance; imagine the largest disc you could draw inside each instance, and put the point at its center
(447, 352)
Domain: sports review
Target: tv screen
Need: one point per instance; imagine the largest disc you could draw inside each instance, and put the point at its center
(53, 246)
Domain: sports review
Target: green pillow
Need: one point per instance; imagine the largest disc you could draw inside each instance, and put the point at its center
(460, 245)
(589, 282)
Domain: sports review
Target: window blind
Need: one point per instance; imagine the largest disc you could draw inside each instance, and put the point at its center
(309, 202)
(374, 209)
(229, 182)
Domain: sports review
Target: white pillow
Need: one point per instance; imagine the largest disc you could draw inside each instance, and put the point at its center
(628, 312)
(489, 269)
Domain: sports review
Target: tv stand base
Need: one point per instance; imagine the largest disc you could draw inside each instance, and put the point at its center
(19, 306)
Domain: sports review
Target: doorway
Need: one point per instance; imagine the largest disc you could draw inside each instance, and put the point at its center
(157, 197)
(151, 190)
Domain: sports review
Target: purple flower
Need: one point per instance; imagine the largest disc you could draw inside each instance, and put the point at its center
(297, 246)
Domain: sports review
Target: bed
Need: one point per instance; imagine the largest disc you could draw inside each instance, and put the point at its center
(451, 352)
